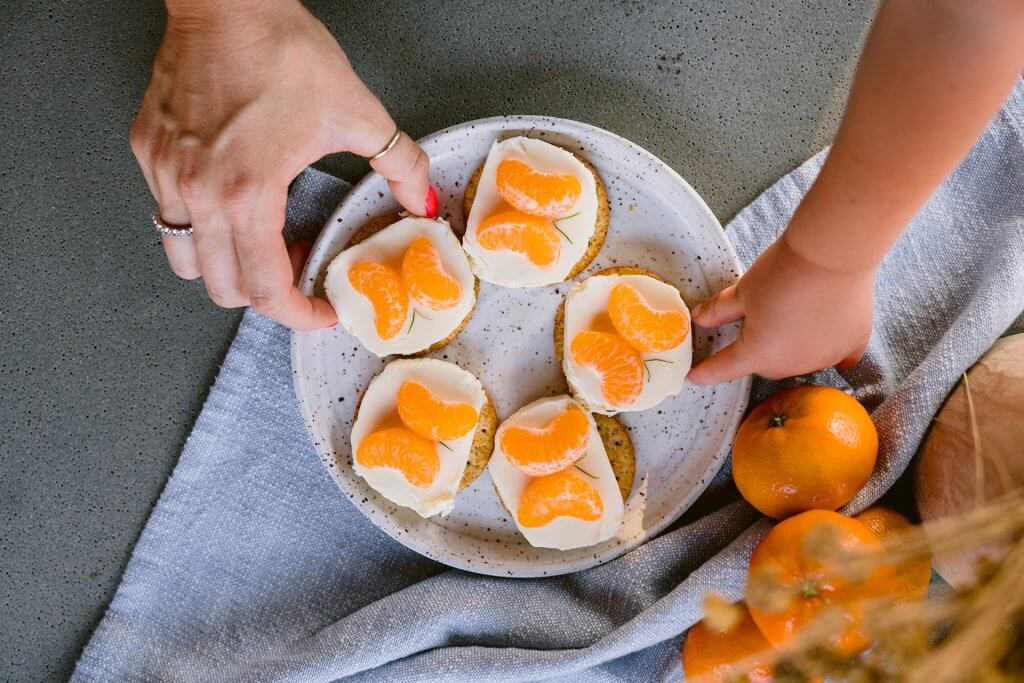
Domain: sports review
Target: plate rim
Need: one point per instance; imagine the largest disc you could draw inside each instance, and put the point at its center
(452, 559)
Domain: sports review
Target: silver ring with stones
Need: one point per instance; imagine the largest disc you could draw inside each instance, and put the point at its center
(387, 148)
(169, 230)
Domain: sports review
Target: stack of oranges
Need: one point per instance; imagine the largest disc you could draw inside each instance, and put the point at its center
(799, 456)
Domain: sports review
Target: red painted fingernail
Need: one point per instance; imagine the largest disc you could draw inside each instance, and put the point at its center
(430, 205)
(332, 325)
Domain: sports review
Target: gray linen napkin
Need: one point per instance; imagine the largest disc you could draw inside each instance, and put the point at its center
(254, 567)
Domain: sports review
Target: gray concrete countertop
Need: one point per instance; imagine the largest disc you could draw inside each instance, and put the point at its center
(105, 357)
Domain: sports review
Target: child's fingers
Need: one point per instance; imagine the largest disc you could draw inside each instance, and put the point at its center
(720, 309)
(728, 364)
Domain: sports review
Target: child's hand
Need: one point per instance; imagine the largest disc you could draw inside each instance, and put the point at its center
(798, 317)
(930, 78)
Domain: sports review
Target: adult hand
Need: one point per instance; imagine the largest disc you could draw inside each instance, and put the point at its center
(798, 316)
(244, 95)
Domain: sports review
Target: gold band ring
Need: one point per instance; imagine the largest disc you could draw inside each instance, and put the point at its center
(387, 148)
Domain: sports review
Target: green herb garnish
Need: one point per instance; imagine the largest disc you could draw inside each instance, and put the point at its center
(585, 472)
(413, 319)
(654, 360)
(563, 218)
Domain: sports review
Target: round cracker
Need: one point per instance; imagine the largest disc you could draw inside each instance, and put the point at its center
(559, 329)
(483, 439)
(483, 442)
(621, 455)
(558, 334)
(375, 225)
(600, 226)
(619, 448)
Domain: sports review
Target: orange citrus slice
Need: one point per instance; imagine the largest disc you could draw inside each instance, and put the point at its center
(536, 193)
(646, 329)
(432, 418)
(402, 450)
(619, 365)
(426, 279)
(384, 289)
(545, 450)
(533, 237)
(562, 494)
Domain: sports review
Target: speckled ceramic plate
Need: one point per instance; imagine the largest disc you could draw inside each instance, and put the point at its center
(657, 222)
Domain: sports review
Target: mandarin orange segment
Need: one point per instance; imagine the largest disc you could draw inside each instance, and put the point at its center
(647, 329)
(384, 289)
(534, 192)
(402, 450)
(533, 237)
(545, 450)
(426, 279)
(619, 365)
(432, 418)
(562, 494)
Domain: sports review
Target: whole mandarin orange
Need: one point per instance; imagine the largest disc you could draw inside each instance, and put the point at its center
(712, 654)
(804, 563)
(805, 448)
(912, 575)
